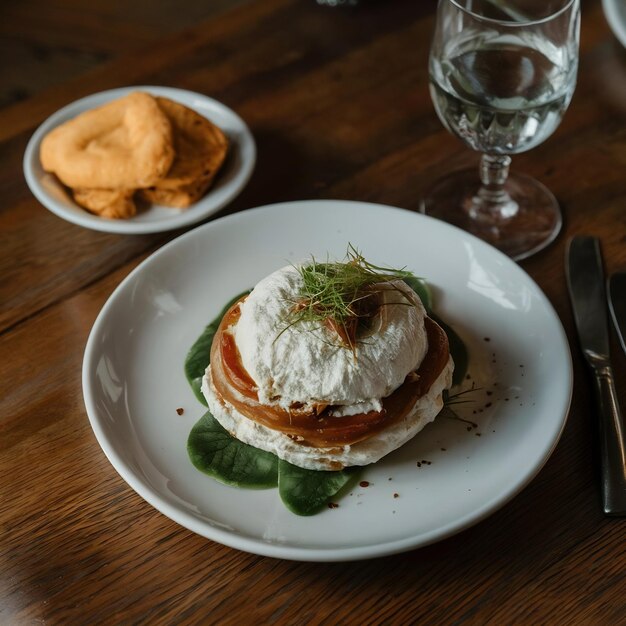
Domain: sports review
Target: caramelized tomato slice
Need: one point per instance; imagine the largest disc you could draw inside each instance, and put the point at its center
(235, 386)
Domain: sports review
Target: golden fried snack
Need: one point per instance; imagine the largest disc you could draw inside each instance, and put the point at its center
(124, 144)
(111, 203)
(200, 146)
(180, 197)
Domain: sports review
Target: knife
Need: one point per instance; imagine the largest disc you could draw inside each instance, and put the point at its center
(617, 304)
(585, 280)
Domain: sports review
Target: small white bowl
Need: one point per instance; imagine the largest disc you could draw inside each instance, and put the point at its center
(233, 177)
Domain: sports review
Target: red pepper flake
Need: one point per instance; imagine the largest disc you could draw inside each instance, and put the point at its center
(364, 484)
(396, 495)
(180, 410)
(333, 505)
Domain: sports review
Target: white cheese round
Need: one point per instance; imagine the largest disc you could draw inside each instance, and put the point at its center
(306, 363)
(362, 453)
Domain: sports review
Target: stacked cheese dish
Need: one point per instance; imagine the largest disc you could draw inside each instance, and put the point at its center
(328, 365)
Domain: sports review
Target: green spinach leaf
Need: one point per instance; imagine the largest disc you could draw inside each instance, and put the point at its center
(421, 288)
(199, 355)
(213, 451)
(458, 350)
(305, 492)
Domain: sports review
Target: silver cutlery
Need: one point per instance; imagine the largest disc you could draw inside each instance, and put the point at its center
(586, 283)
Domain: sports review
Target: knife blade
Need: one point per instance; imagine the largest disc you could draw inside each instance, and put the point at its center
(617, 304)
(586, 284)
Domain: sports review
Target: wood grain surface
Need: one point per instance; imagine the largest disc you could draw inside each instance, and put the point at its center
(338, 102)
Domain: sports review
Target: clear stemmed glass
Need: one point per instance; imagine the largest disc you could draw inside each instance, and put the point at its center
(502, 73)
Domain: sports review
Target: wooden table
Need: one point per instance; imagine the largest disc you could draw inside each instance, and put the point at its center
(339, 105)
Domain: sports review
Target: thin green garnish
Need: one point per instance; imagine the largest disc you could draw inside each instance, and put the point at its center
(341, 294)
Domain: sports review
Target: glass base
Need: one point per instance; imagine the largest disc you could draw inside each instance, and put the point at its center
(533, 223)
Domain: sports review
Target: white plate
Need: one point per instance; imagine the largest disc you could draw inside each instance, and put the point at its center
(231, 179)
(615, 12)
(133, 381)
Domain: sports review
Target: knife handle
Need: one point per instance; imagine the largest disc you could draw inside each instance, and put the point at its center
(612, 442)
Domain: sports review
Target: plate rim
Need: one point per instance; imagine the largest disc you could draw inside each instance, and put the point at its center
(617, 25)
(311, 554)
(178, 220)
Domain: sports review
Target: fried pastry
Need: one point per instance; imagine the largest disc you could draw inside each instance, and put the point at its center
(125, 144)
(200, 147)
(110, 203)
(178, 197)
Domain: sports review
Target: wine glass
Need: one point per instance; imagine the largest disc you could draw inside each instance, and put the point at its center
(502, 73)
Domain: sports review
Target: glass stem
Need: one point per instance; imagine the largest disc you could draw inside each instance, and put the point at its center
(493, 204)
